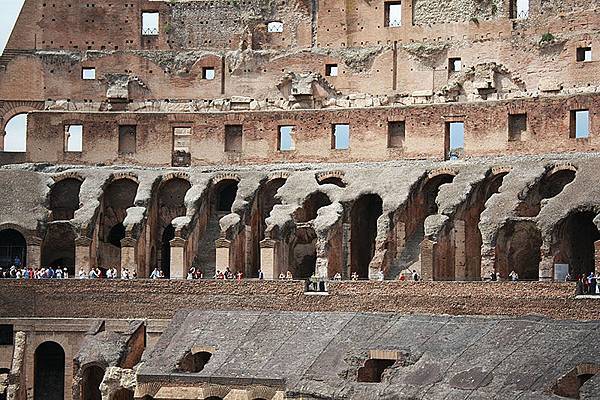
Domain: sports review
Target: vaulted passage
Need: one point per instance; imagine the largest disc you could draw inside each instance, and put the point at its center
(49, 372)
(518, 248)
(92, 378)
(573, 242)
(549, 186)
(363, 231)
(311, 206)
(13, 248)
(170, 204)
(118, 197)
(58, 247)
(64, 199)
(303, 255)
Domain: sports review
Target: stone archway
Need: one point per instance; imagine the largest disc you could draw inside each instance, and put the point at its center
(13, 248)
(49, 372)
(364, 214)
(518, 248)
(63, 199)
(573, 242)
(90, 383)
(15, 134)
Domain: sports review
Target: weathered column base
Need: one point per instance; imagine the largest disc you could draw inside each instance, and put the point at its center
(177, 268)
(546, 271)
(268, 259)
(597, 256)
(82, 254)
(222, 259)
(128, 260)
(34, 253)
(427, 258)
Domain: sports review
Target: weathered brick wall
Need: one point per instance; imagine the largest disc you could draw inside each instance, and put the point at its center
(161, 299)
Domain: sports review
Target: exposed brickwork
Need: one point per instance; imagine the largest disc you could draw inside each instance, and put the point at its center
(161, 299)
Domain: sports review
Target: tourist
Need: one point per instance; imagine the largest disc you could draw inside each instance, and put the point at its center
(493, 276)
(65, 273)
(354, 276)
(337, 277)
(59, 274)
(190, 274)
(82, 274)
(513, 276)
(288, 276)
(591, 283)
(239, 276)
(93, 274)
(261, 275)
(415, 275)
(155, 274)
(281, 276)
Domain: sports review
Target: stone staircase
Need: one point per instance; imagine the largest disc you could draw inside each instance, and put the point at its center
(9, 54)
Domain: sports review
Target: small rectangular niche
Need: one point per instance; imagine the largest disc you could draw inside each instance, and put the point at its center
(517, 126)
(331, 70)
(275, 27)
(6, 335)
(233, 138)
(73, 138)
(88, 73)
(340, 136)
(396, 134)
(580, 124)
(393, 14)
(208, 73)
(454, 65)
(584, 54)
(150, 22)
(286, 138)
(455, 139)
(127, 139)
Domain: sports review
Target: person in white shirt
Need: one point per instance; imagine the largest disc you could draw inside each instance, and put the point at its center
(82, 274)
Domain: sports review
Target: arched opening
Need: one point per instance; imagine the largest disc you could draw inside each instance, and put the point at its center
(170, 204)
(214, 398)
(117, 198)
(165, 259)
(225, 193)
(13, 248)
(421, 204)
(194, 362)
(570, 384)
(549, 186)
(311, 206)
(122, 394)
(373, 370)
(64, 199)
(92, 378)
(58, 247)
(15, 137)
(49, 372)
(518, 248)
(573, 242)
(363, 231)
(303, 255)
(333, 180)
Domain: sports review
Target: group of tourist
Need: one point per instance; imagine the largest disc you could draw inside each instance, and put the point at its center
(109, 273)
(588, 284)
(15, 272)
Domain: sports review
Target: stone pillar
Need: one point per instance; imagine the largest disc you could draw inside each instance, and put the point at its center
(406, 19)
(427, 259)
(249, 250)
(597, 256)
(400, 238)
(177, 268)
(128, 260)
(488, 258)
(460, 259)
(34, 252)
(546, 267)
(268, 258)
(82, 254)
(346, 251)
(222, 247)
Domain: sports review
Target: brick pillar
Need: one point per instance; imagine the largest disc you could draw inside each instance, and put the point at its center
(34, 252)
(400, 238)
(346, 261)
(460, 259)
(268, 258)
(546, 271)
(82, 254)
(597, 256)
(177, 268)
(128, 245)
(249, 252)
(427, 247)
(222, 254)
(488, 258)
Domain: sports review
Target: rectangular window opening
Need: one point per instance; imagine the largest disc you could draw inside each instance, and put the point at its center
(88, 74)
(150, 23)
(233, 138)
(73, 138)
(286, 138)
(393, 14)
(182, 138)
(580, 124)
(208, 73)
(519, 9)
(517, 126)
(340, 136)
(127, 139)
(396, 134)
(6, 335)
(454, 64)
(331, 70)
(584, 54)
(455, 139)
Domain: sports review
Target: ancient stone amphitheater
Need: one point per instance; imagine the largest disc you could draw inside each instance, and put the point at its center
(346, 145)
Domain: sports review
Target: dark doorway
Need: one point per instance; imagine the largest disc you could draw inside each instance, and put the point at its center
(373, 370)
(122, 394)
(13, 248)
(92, 378)
(165, 259)
(64, 199)
(574, 242)
(115, 235)
(226, 192)
(363, 231)
(49, 372)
